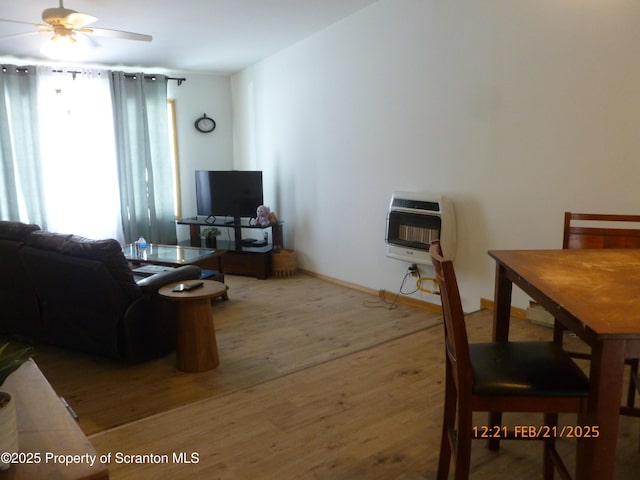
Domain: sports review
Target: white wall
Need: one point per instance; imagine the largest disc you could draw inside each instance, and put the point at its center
(517, 111)
(199, 94)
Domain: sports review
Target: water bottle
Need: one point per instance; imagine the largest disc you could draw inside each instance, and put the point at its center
(142, 246)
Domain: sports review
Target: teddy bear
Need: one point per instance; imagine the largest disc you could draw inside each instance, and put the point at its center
(263, 213)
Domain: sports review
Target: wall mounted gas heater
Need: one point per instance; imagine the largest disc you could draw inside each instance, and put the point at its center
(414, 220)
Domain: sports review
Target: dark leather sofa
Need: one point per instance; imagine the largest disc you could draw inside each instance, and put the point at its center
(81, 294)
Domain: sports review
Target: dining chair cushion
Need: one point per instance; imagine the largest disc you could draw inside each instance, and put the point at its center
(513, 369)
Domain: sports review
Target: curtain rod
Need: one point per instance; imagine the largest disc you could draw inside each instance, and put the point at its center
(75, 72)
(153, 77)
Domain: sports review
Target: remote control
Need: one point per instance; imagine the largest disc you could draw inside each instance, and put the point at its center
(192, 286)
(185, 287)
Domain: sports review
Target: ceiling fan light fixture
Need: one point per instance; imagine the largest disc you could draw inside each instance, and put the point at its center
(71, 38)
(63, 46)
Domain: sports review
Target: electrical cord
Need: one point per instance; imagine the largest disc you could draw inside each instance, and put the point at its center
(415, 269)
(383, 303)
(407, 275)
(423, 279)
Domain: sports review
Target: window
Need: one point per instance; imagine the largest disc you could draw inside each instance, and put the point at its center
(79, 168)
(88, 152)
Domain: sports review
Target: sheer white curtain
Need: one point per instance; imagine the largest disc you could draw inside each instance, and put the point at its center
(79, 168)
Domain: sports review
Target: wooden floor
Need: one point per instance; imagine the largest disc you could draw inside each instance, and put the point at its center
(315, 382)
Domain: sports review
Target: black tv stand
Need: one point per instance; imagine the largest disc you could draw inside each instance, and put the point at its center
(254, 243)
(237, 233)
(240, 258)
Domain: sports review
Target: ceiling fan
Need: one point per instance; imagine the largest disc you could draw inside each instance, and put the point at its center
(66, 24)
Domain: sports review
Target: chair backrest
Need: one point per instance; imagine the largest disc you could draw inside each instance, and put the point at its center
(456, 341)
(594, 230)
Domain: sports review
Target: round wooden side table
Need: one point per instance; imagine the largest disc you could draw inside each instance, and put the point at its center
(196, 349)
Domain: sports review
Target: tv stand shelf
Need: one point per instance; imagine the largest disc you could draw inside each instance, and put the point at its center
(239, 258)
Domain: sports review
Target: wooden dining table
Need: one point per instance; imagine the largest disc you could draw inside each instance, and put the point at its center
(596, 295)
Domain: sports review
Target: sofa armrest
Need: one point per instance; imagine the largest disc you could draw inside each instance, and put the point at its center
(154, 282)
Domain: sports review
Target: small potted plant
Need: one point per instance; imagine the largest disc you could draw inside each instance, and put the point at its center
(209, 237)
(9, 363)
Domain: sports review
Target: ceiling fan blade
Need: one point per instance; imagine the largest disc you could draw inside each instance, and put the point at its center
(88, 39)
(16, 21)
(66, 17)
(19, 35)
(105, 32)
(79, 20)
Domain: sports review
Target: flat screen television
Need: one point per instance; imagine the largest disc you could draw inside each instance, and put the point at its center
(228, 193)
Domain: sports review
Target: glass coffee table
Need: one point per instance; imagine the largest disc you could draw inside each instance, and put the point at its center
(157, 257)
(169, 255)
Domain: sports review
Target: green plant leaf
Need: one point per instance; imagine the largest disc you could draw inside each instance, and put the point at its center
(9, 363)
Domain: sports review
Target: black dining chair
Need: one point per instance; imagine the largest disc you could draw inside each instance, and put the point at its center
(499, 377)
(593, 230)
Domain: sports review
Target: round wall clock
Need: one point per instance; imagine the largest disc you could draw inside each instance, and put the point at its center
(205, 124)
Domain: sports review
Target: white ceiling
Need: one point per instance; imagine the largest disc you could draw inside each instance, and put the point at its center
(198, 35)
